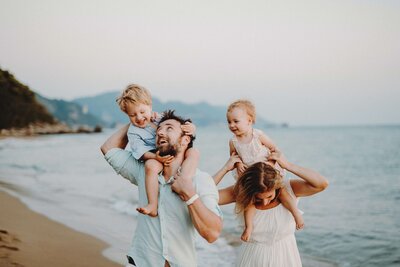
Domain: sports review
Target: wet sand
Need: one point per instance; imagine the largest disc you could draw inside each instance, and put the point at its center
(30, 239)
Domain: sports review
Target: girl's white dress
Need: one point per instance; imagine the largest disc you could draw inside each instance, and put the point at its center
(253, 151)
(272, 242)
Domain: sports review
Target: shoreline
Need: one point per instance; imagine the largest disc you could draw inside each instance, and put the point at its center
(31, 239)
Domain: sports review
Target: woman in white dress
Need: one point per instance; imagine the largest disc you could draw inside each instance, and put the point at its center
(272, 242)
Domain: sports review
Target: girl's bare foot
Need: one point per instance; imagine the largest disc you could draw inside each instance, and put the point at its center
(246, 234)
(299, 220)
(150, 210)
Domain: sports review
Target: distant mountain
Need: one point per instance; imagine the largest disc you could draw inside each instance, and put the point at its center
(105, 107)
(21, 108)
(70, 113)
(18, 105)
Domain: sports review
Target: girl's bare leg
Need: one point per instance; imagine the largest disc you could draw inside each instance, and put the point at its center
(248, 222)
(290, 203)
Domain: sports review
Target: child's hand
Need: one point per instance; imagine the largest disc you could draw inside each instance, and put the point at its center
(240, 167)
(189, 128)
(232, 161)
(155, 116)
(277, 156)
(165, 160)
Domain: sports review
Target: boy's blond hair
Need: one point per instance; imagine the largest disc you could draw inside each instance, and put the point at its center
(135, 94)
(246, 105)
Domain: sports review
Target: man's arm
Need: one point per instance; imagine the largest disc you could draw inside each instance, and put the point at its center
(121, 160)
(118, 140)
(207, 223)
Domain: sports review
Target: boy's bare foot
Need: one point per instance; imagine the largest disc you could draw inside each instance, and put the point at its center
(150, 210)
(246, 234)
(299, 220)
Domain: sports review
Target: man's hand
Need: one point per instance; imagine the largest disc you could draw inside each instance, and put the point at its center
(183, 187)
(189, 128)
(165, 160)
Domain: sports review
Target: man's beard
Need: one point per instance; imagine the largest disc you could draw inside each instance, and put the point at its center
(169, 149)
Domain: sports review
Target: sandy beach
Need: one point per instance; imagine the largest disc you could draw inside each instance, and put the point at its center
(31, 239)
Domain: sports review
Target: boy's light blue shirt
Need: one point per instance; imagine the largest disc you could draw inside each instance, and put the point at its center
(169, 236)
(141, 140)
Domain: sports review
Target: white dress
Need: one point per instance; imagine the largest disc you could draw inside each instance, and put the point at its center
(252, 152)
(272, 242)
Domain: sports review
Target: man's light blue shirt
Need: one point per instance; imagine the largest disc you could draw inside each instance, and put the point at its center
(169, 236)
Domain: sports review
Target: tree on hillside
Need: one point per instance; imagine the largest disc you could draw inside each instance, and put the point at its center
(18, 105)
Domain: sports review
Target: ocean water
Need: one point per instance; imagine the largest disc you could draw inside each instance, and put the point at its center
(355, 222)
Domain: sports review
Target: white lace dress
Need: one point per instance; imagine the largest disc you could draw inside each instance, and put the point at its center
(252, 152)
(272, 242)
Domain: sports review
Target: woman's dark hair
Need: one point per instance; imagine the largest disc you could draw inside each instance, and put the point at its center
(258, 178)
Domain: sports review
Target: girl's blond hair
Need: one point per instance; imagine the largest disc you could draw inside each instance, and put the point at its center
(246, 105)
(135, 94)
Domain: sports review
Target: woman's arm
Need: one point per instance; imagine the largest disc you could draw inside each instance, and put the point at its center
(226, 196)
(311, 182)
(228, 166)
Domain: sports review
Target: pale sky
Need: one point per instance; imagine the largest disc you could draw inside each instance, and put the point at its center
(302, 62)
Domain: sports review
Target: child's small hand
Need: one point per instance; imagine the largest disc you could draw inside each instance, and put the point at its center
(155, 116)
(189, 128)
(240, 167)
(232, 161)
(277, 156)
(165, 160)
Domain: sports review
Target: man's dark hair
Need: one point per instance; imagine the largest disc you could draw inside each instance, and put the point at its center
(170, 115)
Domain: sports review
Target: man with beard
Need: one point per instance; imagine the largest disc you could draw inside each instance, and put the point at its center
(185, 205)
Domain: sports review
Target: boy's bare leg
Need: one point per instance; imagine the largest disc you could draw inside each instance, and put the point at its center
(152, 169)
(190, 163)
(290, 203)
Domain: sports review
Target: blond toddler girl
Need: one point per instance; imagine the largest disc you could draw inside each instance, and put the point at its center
(252, 146)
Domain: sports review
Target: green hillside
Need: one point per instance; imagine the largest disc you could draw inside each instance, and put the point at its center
(69, 112)
(18, 105)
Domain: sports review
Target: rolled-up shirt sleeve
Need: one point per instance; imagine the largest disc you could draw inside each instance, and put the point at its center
(124, 164)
